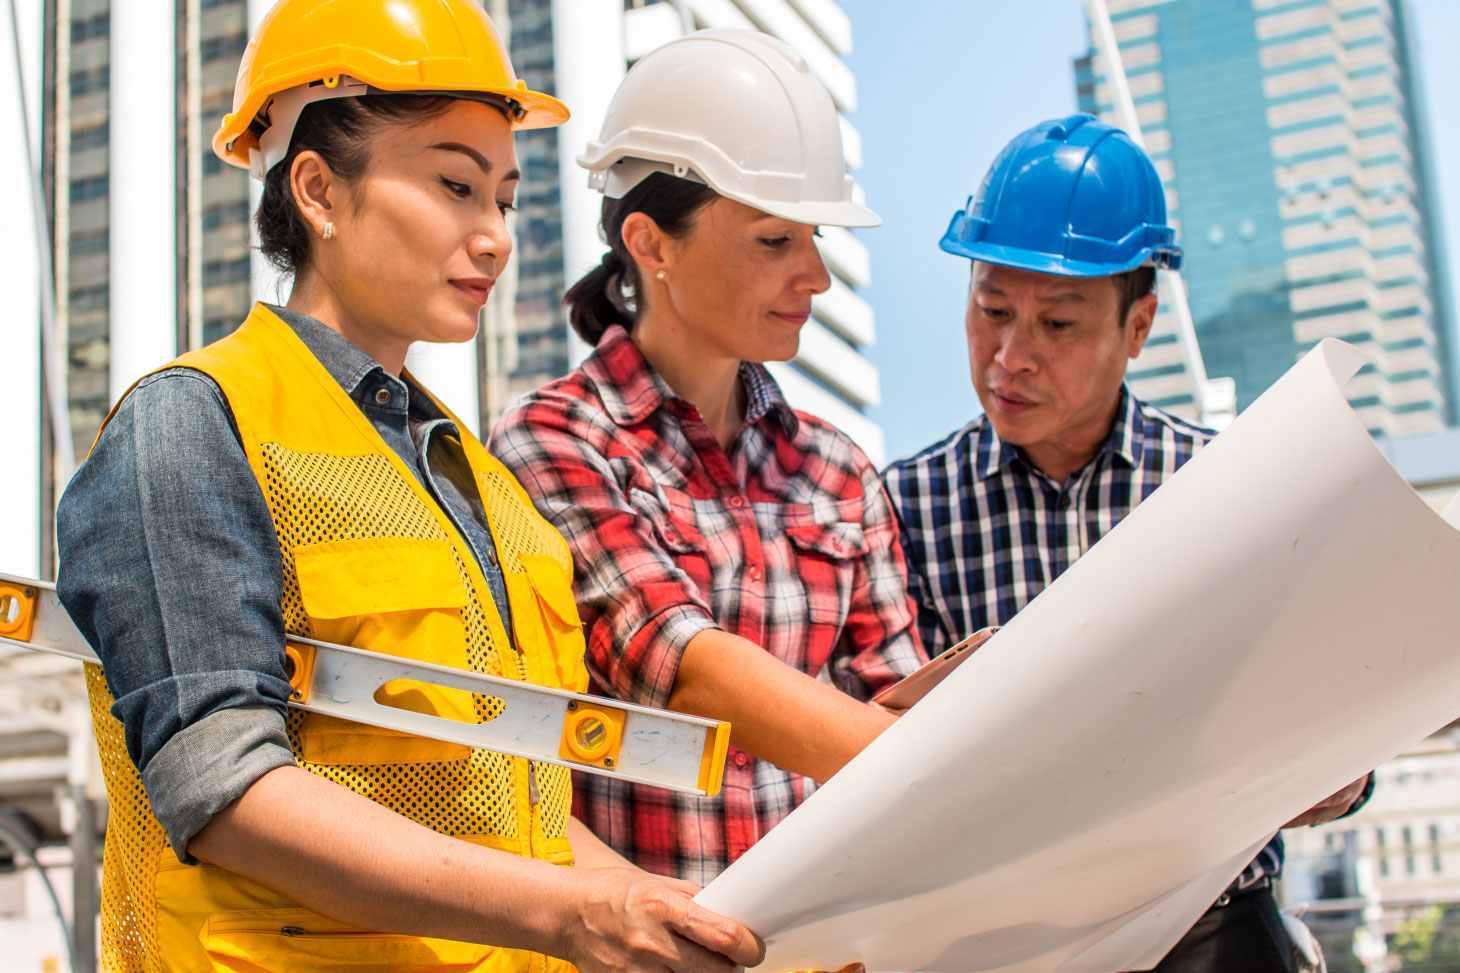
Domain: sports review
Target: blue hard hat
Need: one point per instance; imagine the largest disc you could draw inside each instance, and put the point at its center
(1071, 196)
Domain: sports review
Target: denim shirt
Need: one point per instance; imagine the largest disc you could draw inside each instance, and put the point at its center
(171, 568)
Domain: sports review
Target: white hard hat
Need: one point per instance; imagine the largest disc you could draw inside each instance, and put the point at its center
(739, 111)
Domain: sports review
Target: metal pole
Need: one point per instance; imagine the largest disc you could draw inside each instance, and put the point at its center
(1125, 110)
(85, 896)
(52, 356)
(21, 842)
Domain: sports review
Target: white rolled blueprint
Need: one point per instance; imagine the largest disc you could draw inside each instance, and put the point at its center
(1278, 618)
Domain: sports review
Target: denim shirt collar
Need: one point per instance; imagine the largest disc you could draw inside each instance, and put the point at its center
(363, 378)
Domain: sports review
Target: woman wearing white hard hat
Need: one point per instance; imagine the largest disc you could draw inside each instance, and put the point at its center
(728, 549)
(293, 477)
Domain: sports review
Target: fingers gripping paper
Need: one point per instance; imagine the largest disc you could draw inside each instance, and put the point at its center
(1276, 620)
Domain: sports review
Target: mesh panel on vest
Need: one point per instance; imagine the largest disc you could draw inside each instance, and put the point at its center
(517, 527)
(317, 498)
(133, 840)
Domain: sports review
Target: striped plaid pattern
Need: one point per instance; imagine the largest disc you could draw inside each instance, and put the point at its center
(984, 531)
(787, 540)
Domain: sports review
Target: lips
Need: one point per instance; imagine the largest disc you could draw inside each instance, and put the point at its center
(793, 317)
(1012, 404)
(477, 288)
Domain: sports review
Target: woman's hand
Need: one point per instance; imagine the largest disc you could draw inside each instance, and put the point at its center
(632, 920)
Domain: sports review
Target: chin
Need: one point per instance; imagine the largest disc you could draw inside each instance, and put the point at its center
(452, 328)
(1013, 431)
(779, 350)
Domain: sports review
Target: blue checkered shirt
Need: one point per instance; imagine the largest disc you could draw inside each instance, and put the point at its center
(984, 531)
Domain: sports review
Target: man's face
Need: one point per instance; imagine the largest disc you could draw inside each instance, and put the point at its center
(1048, 355)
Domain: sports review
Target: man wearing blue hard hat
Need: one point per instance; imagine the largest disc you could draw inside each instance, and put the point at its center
(1065, 234)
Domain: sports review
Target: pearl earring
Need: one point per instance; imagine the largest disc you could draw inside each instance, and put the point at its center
(659, 275)
(329, 231)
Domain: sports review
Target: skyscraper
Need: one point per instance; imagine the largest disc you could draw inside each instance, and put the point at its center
(1289, 134)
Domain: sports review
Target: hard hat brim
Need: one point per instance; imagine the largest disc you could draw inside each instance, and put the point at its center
(1041, 263)
(846, 214)
(233, 140)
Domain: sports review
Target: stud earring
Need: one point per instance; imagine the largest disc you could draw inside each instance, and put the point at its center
(659, 275)
(329, 231)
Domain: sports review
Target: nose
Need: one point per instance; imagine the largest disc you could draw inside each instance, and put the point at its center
(1016, 352)
(818, 278)
(491, 240)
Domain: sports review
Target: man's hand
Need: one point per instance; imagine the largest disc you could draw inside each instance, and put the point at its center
(1332, 806)
(631, 920)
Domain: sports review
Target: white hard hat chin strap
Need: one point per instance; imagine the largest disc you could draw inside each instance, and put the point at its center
(283, 113)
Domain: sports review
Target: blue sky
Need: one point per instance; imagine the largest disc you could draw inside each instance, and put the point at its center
(941, 86)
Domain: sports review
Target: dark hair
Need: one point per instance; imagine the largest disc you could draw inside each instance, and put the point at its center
(339, 129)
(1131, 286)
(608, 294)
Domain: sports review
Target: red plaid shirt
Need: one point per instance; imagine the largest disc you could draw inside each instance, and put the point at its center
(787, 540)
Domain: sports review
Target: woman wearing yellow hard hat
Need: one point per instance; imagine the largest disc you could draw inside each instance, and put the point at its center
(729, 549)
(292, 477)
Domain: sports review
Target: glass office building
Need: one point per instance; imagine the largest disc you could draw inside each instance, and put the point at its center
(1289, 134)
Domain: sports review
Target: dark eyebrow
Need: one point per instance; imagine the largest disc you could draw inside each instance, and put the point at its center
(483, 163)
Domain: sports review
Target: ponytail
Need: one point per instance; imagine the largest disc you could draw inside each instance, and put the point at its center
(598, 301)
(609, 293)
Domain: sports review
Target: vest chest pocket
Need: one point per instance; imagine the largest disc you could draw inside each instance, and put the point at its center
(398, 596)
(559, 662)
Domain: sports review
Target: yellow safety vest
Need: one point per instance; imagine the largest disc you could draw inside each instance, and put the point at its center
(370, 560)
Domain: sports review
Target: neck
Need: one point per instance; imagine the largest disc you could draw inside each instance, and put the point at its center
(1062, 456)
(313, 296)
(709, 381)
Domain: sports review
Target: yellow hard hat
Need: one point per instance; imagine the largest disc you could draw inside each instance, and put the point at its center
(316, 49)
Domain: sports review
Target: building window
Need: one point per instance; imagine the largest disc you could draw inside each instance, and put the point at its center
(1379, 843)
(1408, 835)
(92, 137)
(99, 25)
(92, 188)
(97, 79)
(1437, 861)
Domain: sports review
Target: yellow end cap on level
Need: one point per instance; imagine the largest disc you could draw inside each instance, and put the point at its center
(712, 764)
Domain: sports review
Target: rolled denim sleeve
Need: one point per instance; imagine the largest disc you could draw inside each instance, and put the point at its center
(170, 567)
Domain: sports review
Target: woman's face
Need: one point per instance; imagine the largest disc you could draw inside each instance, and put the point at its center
(421, 237)
(740, 281)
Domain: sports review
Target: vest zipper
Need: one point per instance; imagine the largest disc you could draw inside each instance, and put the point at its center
(534, 796)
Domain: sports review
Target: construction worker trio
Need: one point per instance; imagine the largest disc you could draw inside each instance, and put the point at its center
(660, 522)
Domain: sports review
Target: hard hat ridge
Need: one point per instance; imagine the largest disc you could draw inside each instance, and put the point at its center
(1071, 196)
(737, 110)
